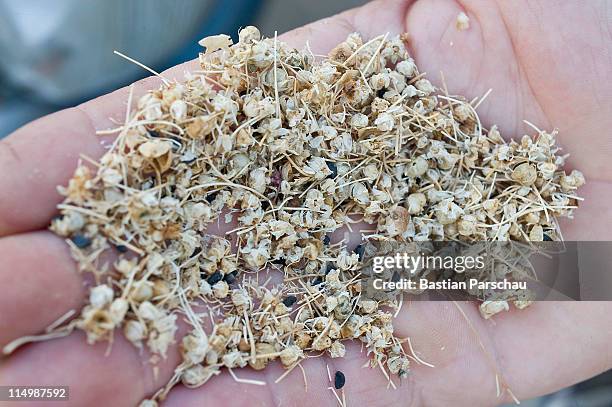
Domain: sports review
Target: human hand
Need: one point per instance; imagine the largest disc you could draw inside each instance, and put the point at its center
(547, 346)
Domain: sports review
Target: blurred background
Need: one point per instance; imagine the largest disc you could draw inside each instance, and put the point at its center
(59, 53)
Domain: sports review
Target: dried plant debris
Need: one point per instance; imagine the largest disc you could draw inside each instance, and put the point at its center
(462, 21)
(284, 149)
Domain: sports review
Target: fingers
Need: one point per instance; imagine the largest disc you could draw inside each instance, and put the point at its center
(364, 386)
(37, 158)
(43, 154)
(39, 281)
(33, 159)
(592, 220)
(122, 377)
(553, 345)
(372, 19)
(474, 60)
(532, 352)
(451, 366)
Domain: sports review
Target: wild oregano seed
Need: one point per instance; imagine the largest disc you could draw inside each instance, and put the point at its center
(289, 300)
(339, 380)
(81, 241)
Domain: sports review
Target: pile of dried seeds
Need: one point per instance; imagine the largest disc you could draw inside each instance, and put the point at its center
(287, 148)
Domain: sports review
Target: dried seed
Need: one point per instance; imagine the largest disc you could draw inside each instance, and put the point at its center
(289, 300)
(525, 174)
(81, 241)
(215, 42)
(360, 250)
(280, 262)
(211, 197)
(462, 22)
(339, 380)
(317, 280)
(290, 149)
(215, 278)
(230, 278)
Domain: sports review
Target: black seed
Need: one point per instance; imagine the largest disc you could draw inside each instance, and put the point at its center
(289, 300)
(317, 280)
(121, 248)
(230, 278)
(211, 197)
(395, 277)
(360, 250)
(339, 380)
(547, 238)
(326, 240)
(265, 205)
(154, 133)
(196, 251)
(215, 278)
(81, 241)
(329, 268)
(178, 145)
(333, 168)
(280, 262)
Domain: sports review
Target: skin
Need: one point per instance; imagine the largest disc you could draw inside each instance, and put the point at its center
(546, 62)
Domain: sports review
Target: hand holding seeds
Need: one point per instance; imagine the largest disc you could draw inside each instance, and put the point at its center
(282, 147)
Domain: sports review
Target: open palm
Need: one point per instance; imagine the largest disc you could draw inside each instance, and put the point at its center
(546, 62)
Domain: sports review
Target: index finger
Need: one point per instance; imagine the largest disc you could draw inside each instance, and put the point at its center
(43, 154)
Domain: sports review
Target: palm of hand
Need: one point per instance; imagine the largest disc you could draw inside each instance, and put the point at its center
(540, 60)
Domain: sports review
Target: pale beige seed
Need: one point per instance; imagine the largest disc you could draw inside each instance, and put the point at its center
(525, 174)
(490, 308)
(462, 21)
